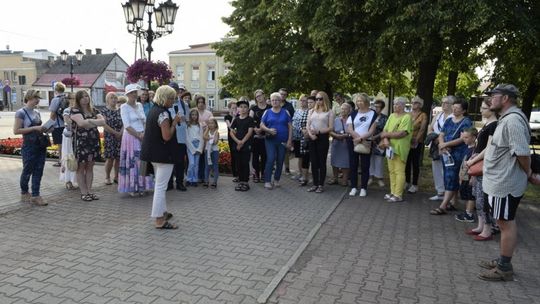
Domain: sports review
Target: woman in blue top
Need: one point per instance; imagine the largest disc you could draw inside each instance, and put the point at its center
(28, 123)
(450, 142)
(276, 123)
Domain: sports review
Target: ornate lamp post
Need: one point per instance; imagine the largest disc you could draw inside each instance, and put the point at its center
(78, 56)
(164, 14)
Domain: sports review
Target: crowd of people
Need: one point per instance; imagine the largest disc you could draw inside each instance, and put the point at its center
(159, 141)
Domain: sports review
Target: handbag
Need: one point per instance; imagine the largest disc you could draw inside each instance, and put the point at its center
(535, 161)
(476, 169)
(71, 162)
(43, 140)
(363, 147)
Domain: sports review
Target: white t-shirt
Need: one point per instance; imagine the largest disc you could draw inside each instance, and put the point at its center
(132, 117)
(362, 122)
(438, 122)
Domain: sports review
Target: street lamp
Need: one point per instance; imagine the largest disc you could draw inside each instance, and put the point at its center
(78, 56)
(164, 15)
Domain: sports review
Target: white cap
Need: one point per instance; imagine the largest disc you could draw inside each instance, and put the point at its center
(132, 87)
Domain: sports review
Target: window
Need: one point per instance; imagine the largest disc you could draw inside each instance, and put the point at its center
(211, 102)
(22, 79)
(211, 73)
(195, 73)
(180, 72)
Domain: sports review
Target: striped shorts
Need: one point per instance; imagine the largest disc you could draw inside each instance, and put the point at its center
(502, 208)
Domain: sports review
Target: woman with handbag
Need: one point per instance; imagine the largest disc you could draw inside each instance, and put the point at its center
(159, 147)
(85, 120)
(453, 150)
(361, 126)
(376, 164)
(483, 231)
(396, 139)
(34, 149)
(319, 124)
(414, 160)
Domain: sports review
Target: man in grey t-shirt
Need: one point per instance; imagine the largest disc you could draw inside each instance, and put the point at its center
(507, 167)
(55, 107)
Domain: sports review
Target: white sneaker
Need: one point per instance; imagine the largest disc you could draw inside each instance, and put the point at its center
(363, 192)
(437, 198)
(276, 184)
(381, 183)
(353, 192)
(412, 189)
(369, 181)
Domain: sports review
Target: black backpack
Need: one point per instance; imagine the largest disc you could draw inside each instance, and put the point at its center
(62, 105)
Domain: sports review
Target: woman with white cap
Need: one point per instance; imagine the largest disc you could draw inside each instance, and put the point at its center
(133, 118)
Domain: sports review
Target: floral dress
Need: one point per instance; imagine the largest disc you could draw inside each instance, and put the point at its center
(86, 141)
(112, 144)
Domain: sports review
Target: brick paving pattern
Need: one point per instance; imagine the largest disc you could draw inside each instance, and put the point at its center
(228, 248)
(371, 251)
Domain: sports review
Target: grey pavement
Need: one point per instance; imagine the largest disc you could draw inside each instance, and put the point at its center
(231, 247)
(371, 251)
(234, 247)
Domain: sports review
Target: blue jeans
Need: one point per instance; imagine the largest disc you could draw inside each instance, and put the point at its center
(33, 164)
(214, 166)
(193, 167)
(275, 153)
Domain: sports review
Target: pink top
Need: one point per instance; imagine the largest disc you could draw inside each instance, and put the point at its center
(204, 117)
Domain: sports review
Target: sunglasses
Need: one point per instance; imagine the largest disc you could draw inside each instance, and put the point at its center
(319, 98)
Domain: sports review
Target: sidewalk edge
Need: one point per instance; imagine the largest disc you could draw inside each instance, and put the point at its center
(263, 298)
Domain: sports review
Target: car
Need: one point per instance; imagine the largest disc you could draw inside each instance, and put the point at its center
(534, 124)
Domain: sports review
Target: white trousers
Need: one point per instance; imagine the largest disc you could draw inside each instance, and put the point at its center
(162, 175)
(438, 175)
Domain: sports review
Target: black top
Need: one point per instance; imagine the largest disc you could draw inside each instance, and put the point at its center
(154, 147)
(289, 107)
(483, 135)
(258, 114)
(241, 126)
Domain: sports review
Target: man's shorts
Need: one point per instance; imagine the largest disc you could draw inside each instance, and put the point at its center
(57, 135)
(502, 208)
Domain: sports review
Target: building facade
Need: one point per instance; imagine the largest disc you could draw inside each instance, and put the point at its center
(200, 70)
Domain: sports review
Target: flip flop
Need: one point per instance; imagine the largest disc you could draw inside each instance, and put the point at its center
(167, 225)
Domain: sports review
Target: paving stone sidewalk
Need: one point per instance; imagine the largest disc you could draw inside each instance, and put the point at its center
(371, 251)
(228, 248)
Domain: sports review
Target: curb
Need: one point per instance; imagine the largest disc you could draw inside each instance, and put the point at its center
(263, 298)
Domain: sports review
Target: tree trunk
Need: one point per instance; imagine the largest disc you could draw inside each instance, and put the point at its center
(427, 70)
(452, 83)
(533, 88)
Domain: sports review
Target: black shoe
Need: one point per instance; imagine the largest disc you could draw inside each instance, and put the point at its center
(181, 187)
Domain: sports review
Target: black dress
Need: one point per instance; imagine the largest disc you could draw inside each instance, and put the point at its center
(86, 141)
(112, 144)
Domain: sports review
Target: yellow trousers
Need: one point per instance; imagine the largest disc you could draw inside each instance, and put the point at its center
(396, 168)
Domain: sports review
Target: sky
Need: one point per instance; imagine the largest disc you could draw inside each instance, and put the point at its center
(70, 25)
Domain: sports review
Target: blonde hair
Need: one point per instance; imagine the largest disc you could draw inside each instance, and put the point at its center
(276, 94)
(230, 104)
(122, 99)
(363, 97)
(325, 105)
(258, 91)
(109, 97)
(164, 93)
(59, 87)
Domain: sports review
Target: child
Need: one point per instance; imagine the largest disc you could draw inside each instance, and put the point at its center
(465, 188)
(241, 132)
(233, 113)
(194, 143)
(211, 138)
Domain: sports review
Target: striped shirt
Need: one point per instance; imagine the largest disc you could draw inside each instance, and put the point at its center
(502, 172)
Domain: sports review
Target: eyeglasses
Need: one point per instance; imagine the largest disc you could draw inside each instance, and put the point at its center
(319, 98)
(259, 96)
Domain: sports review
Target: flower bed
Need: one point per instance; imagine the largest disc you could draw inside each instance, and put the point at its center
(224, 162)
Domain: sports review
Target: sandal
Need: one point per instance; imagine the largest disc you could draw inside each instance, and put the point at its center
(303, 183)
(238, 187)
(93, 196)
(244, 187)
(213, 186)
(332, 181)
(86, 197)
(312, 189)
(256, 180)
(115, 181)
(319, 189)
(236, 180)
(108, 182)
(167, 225)
(451, 208)
(437, 211)
(167, 215)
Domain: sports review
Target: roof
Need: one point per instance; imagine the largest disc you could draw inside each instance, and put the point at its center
(92, 66)
(196, 48)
